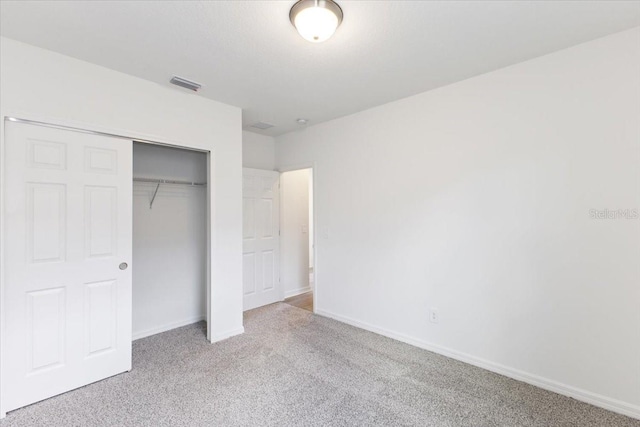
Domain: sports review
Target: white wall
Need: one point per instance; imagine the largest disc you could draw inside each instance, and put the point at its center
(258, 151)
(294, 226)
(169, 240)
(474, 199)
(46, 86)
(311, 231)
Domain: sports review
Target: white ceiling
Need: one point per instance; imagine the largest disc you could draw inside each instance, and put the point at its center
(247, 54)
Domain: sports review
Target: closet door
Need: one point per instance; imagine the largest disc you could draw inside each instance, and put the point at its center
(261, 238)
(67, 297)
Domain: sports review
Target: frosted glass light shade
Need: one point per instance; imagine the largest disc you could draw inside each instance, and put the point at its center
(316, 20)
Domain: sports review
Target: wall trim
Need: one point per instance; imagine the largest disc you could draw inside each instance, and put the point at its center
(228, 334)
(298, 291)
(595, 399)
(167, 327)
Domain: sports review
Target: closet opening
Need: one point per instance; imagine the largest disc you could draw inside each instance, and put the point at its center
(170, 244)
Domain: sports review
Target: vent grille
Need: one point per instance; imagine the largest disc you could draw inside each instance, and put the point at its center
(187, 84)
(261, 125)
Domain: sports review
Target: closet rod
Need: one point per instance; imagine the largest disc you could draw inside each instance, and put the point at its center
(168, 181)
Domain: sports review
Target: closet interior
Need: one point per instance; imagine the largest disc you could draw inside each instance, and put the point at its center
(169, 238)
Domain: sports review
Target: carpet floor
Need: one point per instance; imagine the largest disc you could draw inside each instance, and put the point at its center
(292, 368)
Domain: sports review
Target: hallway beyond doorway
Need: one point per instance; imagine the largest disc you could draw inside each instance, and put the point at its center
(304, 301)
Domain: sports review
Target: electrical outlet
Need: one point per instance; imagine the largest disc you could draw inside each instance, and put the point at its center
(433, 315)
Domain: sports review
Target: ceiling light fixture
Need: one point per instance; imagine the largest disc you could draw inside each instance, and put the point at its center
(316, 20)
(302, 121)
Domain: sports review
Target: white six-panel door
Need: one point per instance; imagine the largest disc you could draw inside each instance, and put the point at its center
(68, 233)
(261, 238)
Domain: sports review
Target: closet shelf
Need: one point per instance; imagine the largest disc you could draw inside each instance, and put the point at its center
(167, 181)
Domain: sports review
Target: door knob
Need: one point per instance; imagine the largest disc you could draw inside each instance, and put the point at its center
(123, 266)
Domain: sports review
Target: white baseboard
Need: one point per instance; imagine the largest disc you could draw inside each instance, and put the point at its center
(293, 293)
(228, 334)
(166, 327)
(595, 399)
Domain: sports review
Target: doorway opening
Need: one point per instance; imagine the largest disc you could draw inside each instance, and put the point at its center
(169, 238)
(297, 244)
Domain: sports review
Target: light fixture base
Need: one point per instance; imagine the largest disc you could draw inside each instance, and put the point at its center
(301, 10)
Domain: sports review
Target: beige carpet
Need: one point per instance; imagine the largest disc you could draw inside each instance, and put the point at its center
(292, 368)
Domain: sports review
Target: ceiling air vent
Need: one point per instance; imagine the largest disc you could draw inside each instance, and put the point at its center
(179, 81)
(261, 125)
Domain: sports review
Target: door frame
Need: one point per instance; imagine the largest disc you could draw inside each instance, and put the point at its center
(96, 130)
(294, 167)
